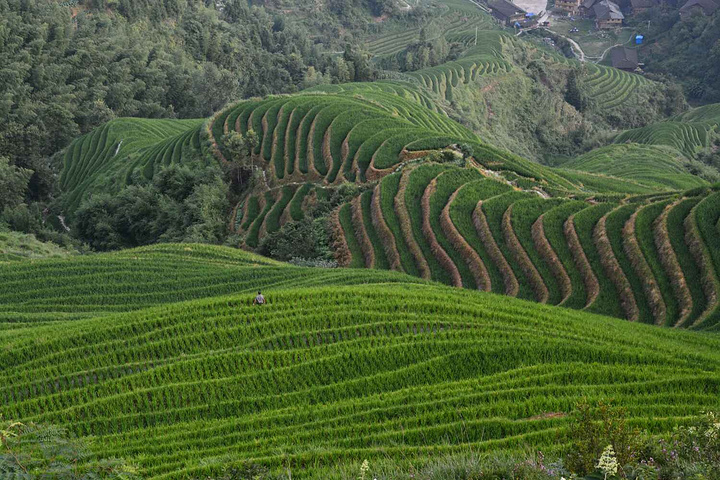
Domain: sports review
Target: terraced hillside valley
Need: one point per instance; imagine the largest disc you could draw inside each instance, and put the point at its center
(158, 356)
(626, 230)
(454, 255)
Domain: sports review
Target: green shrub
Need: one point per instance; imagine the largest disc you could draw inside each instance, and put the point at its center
(306, 239)
(45, 451)
(595, 426)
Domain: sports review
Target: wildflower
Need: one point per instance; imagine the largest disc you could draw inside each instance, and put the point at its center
(364, 469)
(608, 464)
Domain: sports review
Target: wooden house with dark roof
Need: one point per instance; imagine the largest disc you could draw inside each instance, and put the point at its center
(571, 7)
(625, 58)
(507, 12)
(586, 7)
(607, 15)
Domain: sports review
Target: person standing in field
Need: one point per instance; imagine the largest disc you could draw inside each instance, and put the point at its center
(259, 300)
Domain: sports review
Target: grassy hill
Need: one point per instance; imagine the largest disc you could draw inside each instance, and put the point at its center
(157, 356)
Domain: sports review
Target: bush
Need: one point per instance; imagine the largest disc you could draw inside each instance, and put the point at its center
(690, 452)
(13, 184)
(180, 206)
(45, 451)
(316, 263)
(594, 428)
(307, 240)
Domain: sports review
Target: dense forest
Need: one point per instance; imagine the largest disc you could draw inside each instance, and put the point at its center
(685, 49)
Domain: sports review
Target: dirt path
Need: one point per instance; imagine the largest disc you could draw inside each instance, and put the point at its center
(576, 47)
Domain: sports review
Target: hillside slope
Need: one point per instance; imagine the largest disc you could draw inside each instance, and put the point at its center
(635, 249)
(324, 375)
(648, 258)
(400, 185)
(17, 246)
(653, 164)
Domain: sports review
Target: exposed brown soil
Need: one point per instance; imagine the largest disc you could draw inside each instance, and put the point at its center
(473, 260)
(545, 250)
(702, 258)
(643, 271)
(406, 226)
(360, 233)
(386, 235)
(537, 283)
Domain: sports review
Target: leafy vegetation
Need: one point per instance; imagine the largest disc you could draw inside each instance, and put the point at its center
(46, 451)
(179, 205)
(686, 49)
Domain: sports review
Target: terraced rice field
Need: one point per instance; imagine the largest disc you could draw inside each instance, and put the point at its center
(456, 20)
(478, 227)
(357, 140)
(484, 60)
(336, 133)
(610, 87)
(357, 133)
(688, 138)
(706, 113)
(646, 164)
(107, 158)
(157, 356)
(614, 255)
(690, 133)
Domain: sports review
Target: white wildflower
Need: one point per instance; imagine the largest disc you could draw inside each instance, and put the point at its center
(608, 464)
(364, 469)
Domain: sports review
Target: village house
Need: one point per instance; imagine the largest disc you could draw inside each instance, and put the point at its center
(586, 7)
(507, 12)
(607, 15)
(625, 59)
(571, 7)
(699, 7)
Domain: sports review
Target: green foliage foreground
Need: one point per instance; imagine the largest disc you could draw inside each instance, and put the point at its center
(45, 451)
(340, 366)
